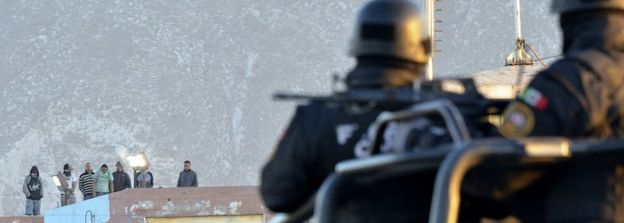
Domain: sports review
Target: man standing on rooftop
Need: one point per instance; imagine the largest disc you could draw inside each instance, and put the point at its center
(86, 182)
(121, 180)
(187, 177)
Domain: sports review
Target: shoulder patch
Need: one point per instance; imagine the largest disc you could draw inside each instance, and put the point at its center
(518, 121)
(534, 98)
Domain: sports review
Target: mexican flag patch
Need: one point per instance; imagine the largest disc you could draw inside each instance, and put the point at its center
(534, 98)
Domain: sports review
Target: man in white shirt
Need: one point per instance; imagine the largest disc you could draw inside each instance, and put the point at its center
(67, 194)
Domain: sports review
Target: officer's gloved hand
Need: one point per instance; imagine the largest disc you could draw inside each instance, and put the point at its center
(401, 136)
(417, 133)
(427, 137)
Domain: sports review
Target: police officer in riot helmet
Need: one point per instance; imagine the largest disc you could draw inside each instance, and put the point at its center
(391, 52)
(580, 95)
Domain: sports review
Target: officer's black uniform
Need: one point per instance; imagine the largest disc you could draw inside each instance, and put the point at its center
(318, 137)
(581, 95)
(321, 135)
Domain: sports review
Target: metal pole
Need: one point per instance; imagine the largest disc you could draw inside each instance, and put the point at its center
(518, 21)
(431, 32)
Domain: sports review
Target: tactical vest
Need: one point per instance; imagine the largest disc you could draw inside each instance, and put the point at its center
(601, 95)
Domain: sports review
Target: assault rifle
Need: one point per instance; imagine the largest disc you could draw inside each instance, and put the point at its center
(461, 93)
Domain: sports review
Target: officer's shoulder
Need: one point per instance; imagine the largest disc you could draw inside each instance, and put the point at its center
(311, 105)
(306, 114)
(312, 108)
(565, 67)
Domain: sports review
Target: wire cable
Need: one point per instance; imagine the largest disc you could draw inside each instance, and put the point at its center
(537, 56)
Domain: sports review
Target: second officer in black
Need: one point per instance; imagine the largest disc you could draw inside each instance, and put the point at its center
(579, 96)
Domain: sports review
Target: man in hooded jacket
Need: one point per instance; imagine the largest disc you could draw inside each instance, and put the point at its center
(33, 190)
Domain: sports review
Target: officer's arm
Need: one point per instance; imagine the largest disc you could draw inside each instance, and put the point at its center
(536, 111)
(532, 113)
(285, 182)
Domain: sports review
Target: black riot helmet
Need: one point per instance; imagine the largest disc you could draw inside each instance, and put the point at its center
(568, 6)
(390, 29)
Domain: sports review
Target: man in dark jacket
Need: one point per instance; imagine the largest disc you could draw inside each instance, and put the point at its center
(187, 177)
(121, 180)
(580, 95)
(33, 190)
(390, 52)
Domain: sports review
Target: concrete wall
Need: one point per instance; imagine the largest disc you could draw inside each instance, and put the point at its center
(135, 204)
(21, 219)
(209, 219)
